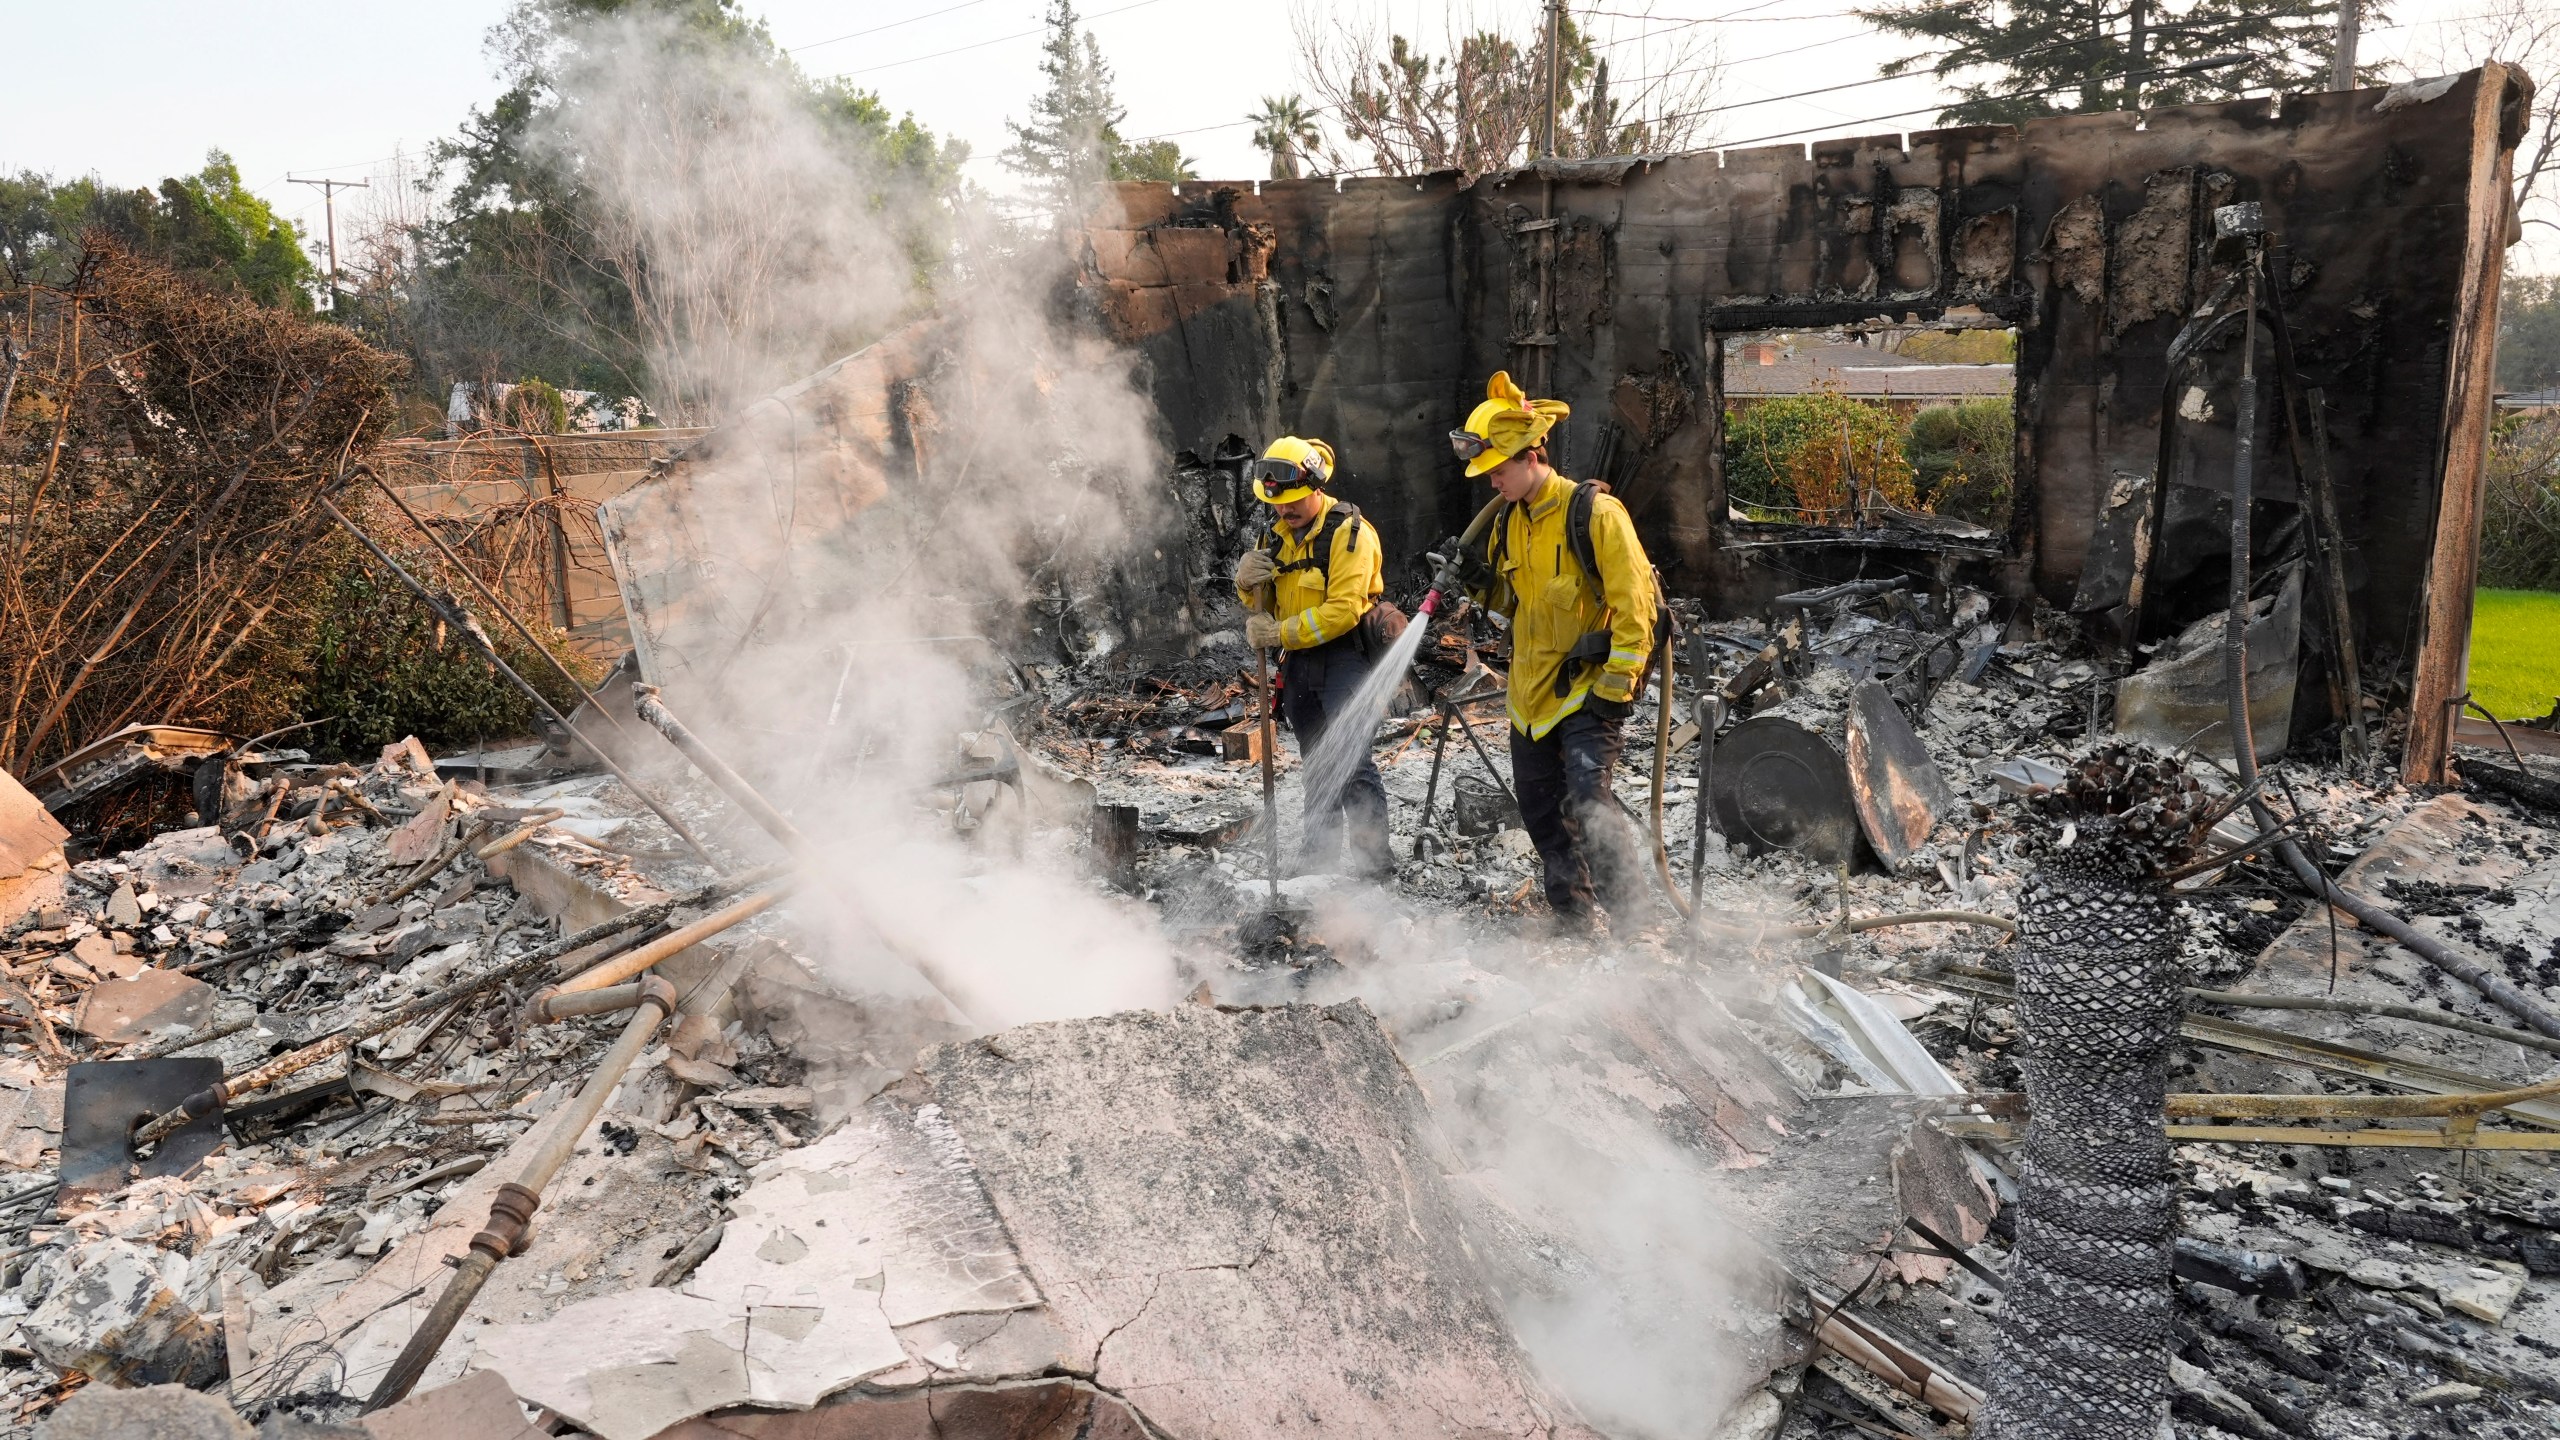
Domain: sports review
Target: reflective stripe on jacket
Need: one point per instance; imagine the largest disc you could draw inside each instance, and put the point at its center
(1320, 604)
(1552, 604)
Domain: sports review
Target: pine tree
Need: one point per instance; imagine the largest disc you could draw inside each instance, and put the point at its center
(1073, 139)
(2053, 57)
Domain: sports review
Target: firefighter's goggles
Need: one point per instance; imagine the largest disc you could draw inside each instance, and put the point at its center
(1273, 479)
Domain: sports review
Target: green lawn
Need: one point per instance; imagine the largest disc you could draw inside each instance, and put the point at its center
(2515, 652)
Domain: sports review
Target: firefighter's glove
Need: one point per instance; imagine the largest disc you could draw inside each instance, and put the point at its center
(1614, 712)
(1261, 631)
(1469, 567)
(1253, 571)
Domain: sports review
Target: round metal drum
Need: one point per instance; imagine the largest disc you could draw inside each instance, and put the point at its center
(1778, 786)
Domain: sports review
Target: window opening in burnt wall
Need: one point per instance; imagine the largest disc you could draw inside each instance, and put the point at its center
(1875, 427)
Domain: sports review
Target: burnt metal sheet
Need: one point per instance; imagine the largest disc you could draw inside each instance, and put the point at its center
(1894, 784)
(107, 763)
(1779, 786)
(2180, 699)
(102, 1100)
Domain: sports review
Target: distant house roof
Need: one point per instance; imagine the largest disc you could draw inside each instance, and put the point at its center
(1761, 368)
(2547, 398)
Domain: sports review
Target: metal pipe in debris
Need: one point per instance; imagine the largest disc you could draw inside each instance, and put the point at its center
(634, 961)
(1661, 773)
(511, 1211)
(1431, 788)
(551, 1005)
(533, 824)
(646, 704)
(2414, 1014)
(1710, 715)
(210, 1101)
(1264, 703)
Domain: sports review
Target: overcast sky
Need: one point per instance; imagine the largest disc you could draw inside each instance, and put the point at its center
(303, 88)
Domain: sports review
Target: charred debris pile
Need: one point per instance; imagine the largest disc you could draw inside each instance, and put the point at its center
(408, 982)
(1983, 1040)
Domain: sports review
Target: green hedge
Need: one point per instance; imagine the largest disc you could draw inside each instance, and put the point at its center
(382, 666)
(1794, 457)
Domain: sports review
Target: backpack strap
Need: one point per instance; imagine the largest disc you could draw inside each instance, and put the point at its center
(1501, 545)
(1593, 648)
(1320, 549)
(1577, 533)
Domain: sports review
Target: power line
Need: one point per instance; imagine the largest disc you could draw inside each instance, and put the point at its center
(1825, 90)
(1743, 16)
(1696, 20)
(1227, 125)
(892, 25)
(1921, 75)
(1800, 49)
(983, 44)
(2213, 64)
(2196, 67)
(1666, 75)
(350, 165)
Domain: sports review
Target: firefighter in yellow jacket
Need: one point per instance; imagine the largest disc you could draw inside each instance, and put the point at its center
(1306, 589)
(1563, 564)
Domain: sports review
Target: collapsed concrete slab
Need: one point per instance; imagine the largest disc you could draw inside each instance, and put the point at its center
(836, 1246)
(1203, 1222)
(112, 1311)
(1606, 1139)
(1239, 1220)
(152, 1412)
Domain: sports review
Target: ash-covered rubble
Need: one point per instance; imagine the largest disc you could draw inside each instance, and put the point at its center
(1403, 1162)
(2354, 1288)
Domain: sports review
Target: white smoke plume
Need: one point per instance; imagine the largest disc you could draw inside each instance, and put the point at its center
(754, 238)
(822, 581)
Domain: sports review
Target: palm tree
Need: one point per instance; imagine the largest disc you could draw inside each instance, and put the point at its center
(1284, 128)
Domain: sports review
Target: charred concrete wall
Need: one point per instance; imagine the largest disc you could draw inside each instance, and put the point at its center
(1369, 311)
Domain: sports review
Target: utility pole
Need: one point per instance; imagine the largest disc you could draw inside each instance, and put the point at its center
(1544, 338)
(329, 204)
(2342, 66)
(2133, 67)
(1555, 69)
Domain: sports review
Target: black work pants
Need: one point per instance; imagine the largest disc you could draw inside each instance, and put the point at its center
(1316, 685)
(1571, 813)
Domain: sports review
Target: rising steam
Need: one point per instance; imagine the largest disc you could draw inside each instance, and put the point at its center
(819, 574)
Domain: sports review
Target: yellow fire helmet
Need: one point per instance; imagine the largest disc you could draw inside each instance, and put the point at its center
(1292, 469)
(1507, 423)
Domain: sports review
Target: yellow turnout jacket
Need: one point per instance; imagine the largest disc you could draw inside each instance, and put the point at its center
(1552, 604)
(1316, 604)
